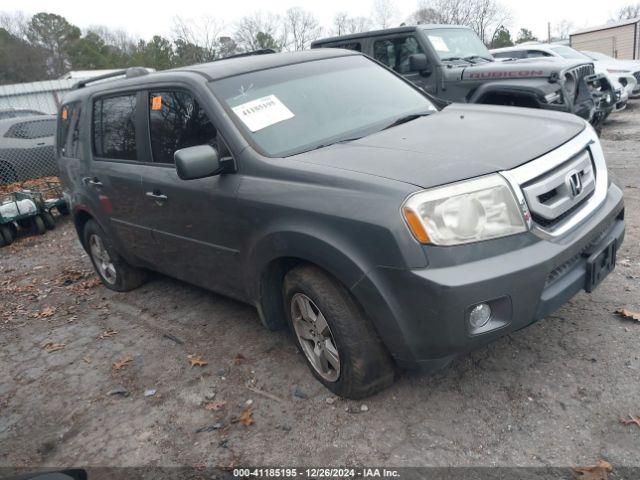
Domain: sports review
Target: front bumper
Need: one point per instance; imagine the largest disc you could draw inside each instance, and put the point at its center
(421, 314)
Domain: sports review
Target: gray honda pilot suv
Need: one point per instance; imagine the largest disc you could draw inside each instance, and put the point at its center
(334, 196)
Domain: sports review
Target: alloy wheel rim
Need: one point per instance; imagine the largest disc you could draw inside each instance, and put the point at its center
(102, 260)
(315, 337)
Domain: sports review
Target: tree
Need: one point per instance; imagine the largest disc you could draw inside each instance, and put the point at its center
(89, 53)
(485, 17)
(198, 37)
(561, 30)
(20, 61)
(157, 53)
(255, 31)
(628, 12)
(385, 14)
(300, 29)
(343, 24)
(502, 38)
(228, 47)
(55, 36)
(525, 35)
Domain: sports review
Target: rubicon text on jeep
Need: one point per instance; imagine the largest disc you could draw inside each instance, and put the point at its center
(330, 193)
(451, 63)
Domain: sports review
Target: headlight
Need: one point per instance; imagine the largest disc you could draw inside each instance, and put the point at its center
(464, 212)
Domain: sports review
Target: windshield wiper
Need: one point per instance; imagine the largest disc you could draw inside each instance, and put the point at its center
(328, 144)
(406, 118)
(471, 57)
(452, 59)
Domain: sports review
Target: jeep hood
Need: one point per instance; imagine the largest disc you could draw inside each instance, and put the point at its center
(461, 141)
(524, 68)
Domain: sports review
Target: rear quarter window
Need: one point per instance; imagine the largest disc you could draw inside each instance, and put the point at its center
(68, 134)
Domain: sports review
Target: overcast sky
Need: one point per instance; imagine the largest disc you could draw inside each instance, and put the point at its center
(146, 19)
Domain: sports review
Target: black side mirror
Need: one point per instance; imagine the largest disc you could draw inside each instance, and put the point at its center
(197, 162)
(418, 62)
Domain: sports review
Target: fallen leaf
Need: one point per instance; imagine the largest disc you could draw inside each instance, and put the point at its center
(53, 347)
(246, 417)
(108, 333)
(46, 312)
(239, 358)
(120, 364)
(624, 313)
(215, 406)
(631, 420)
(599, 471)
(196, 360)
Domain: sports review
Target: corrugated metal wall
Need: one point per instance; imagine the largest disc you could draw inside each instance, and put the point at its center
(617, 41)
(41, 96)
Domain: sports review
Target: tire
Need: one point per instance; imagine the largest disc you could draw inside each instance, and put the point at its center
(63, 209)
(14, 230)
(49, 221)
(25, 223)
(38, 226)
(365, 366)
(122, 277)
(6, 234)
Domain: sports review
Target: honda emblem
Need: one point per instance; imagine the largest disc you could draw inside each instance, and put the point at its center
(574, 182)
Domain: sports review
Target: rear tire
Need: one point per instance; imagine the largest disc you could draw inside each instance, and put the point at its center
(37, 223)
(63, 209)
(6, 234)
(114, 272)
(364, 365)
(49, 221)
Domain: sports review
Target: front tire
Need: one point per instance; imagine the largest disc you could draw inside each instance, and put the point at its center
(114, 272)
(49, 221)
(340, 345)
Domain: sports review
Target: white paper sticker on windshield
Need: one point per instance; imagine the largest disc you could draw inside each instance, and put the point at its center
(263, 112)
(438, 43)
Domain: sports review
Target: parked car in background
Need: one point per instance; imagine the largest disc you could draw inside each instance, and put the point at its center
(336, 197)
(19, 112)
(613, 64)
(615, 73)
(27, 148)
(452, 64)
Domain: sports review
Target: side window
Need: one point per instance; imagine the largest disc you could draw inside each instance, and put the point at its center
(537, 54)
(395, 52)
(32, 129)
(69, 130)
(356, 46)
(114, 130)
(176, 120)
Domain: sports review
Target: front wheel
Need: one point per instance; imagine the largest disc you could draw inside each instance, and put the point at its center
(339, 343)
(114, 272)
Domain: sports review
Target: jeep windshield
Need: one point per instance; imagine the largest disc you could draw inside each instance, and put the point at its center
(295, 108)
(457, 44)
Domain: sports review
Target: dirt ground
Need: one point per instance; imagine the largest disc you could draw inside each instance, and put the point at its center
(550, 395)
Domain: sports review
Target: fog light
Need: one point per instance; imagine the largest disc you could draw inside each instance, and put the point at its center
(480, 315)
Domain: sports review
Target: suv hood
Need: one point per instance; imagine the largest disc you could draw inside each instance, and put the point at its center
(461, 141)
(524, 68)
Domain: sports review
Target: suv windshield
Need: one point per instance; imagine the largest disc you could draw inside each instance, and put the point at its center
(568, 52)
(457, 44)
(295, 108)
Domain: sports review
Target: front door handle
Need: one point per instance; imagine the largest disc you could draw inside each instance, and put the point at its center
(93, 181)
(160, 198)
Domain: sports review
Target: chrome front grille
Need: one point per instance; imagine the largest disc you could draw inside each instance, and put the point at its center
(559, 191)
(637, 76)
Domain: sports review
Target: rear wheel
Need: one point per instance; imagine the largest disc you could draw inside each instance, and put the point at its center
(339, 343)
(114, 272)
(37, 223)
(6, 234)
(49, 221)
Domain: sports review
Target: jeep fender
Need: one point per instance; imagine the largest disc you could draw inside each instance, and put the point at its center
(515, 87)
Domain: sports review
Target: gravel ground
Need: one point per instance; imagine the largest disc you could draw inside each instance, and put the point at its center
(549, 395)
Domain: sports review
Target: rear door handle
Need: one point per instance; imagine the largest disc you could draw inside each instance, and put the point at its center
(93, 181)
(157, 196)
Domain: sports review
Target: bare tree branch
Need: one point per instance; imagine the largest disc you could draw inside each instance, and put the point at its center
(300, 29)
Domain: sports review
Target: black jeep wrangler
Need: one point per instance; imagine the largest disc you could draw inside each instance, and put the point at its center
(452, 64)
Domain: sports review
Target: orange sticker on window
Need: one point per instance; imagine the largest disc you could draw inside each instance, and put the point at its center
(156, 103)
(64, 113)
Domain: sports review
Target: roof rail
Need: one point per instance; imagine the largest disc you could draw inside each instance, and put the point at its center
(130, 72)
(262, 51)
